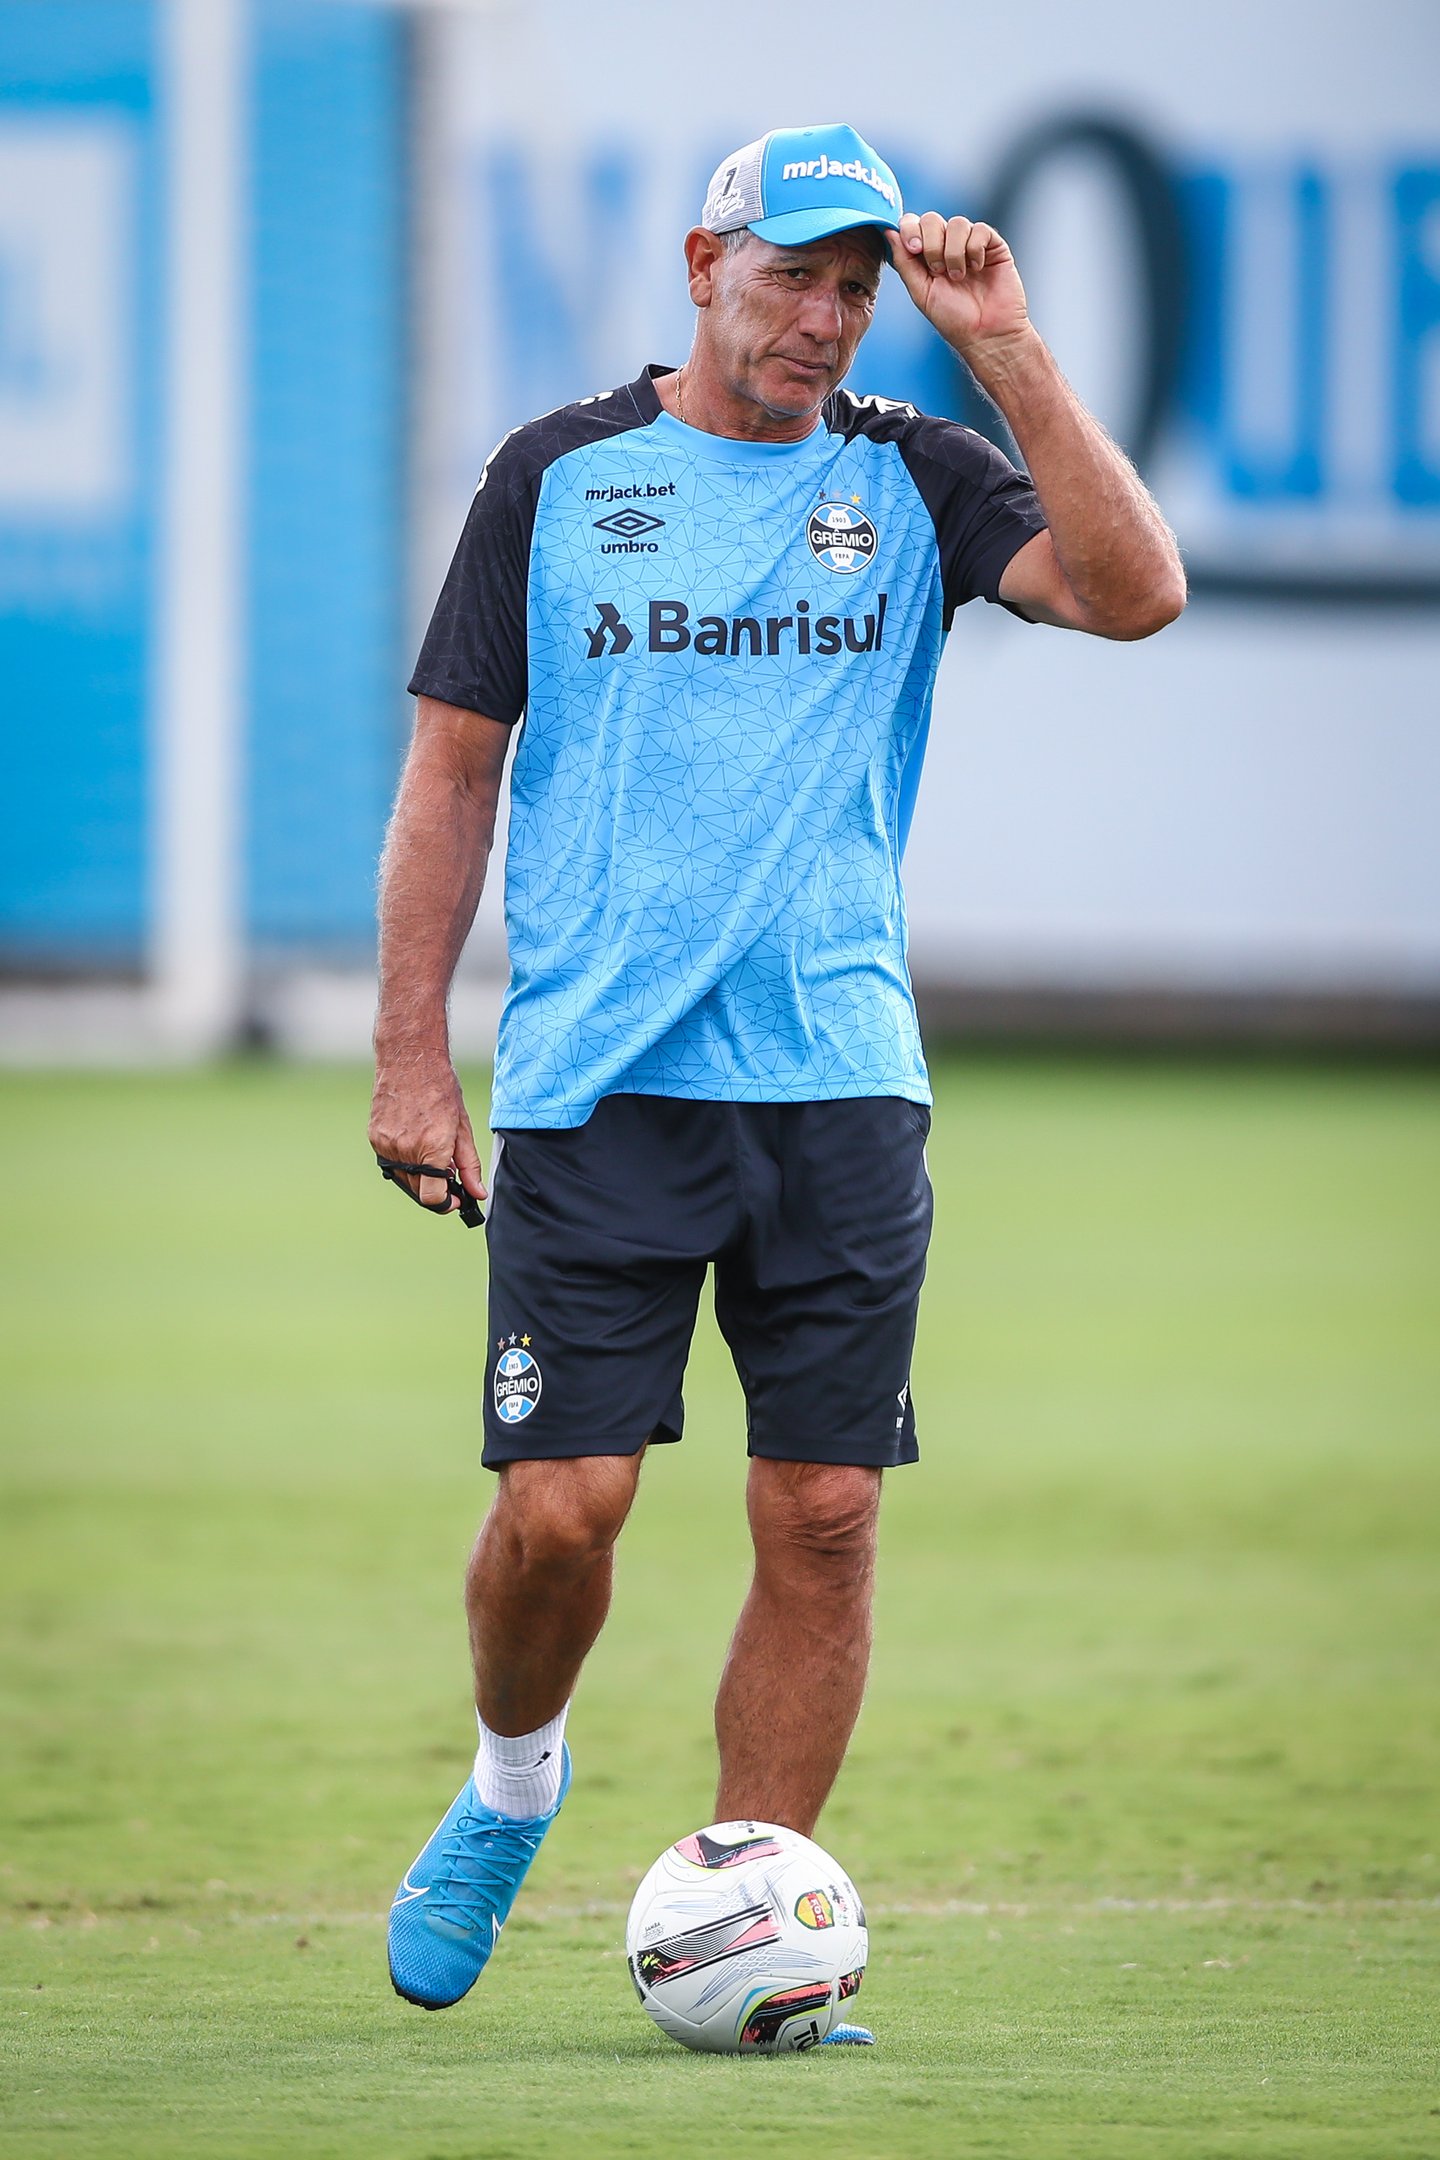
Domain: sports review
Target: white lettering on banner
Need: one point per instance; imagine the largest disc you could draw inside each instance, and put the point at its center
(67, 318)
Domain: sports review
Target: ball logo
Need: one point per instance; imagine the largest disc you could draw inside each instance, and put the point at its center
(814, 1910)
(841, 537)
(517, 1386)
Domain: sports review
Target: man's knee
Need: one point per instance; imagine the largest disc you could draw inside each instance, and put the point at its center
(818, 1518)
(563, 1515)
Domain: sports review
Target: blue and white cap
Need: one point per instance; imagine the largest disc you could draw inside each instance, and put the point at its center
(800, 184)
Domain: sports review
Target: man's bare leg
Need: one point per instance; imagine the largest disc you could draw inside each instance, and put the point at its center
(790, 1692)
(536, 1592)
(538, 1585)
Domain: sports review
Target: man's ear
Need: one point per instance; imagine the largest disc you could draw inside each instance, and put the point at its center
(704, 251)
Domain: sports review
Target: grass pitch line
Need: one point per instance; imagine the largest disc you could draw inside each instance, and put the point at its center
(1182, 1339)
(937, 1909)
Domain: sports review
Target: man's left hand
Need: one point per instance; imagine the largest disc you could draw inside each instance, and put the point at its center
(961, 276)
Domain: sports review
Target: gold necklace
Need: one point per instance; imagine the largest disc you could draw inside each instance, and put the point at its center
(680, 396)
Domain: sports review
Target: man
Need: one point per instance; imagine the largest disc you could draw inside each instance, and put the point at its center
(718, 597)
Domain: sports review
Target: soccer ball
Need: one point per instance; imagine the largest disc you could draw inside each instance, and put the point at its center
(746, 1939)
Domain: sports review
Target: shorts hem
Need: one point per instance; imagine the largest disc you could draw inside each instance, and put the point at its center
(845, 1454)
(495, 1454)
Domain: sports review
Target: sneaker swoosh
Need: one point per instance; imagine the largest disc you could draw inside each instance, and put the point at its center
(407, 1892)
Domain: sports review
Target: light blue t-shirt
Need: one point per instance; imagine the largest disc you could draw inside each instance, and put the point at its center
(724, 653)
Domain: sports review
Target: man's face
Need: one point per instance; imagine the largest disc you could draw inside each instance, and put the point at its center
(782, 324)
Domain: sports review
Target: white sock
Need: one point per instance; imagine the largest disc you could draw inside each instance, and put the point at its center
(520, 1776)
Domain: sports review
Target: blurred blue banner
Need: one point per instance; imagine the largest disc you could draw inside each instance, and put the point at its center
(82, 160)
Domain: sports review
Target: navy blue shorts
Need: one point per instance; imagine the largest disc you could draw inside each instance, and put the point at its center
(815, 1217)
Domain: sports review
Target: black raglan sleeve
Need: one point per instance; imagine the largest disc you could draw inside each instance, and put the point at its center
(474, 653)
(984, 508)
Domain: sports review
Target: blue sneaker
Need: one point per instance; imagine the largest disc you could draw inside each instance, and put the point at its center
(849, 2036)
(444, 1927)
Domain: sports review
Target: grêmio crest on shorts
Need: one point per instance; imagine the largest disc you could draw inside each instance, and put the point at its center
(724, 655)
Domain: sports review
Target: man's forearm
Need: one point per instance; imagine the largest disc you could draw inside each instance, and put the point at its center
(1117, 554)
(432, 876)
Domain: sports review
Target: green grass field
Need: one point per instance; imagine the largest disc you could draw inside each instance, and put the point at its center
(1144, 1799)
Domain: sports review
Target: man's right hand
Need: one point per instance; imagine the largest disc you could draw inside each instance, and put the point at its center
(418, 1114)
(433, 868)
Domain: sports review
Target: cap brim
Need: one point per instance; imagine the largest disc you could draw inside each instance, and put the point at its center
(794, 228)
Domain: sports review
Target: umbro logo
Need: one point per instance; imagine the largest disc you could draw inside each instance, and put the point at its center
(629, 524)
